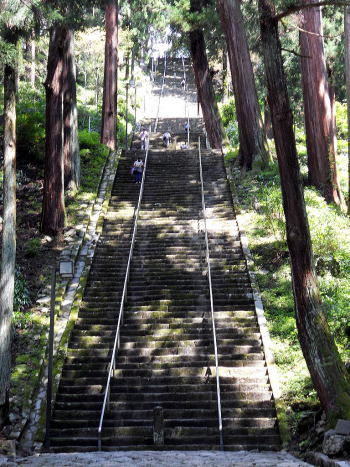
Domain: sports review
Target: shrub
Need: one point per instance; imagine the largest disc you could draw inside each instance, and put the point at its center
(93, 155)
(342, 120)
(32, 247)
(89, 140)
(228, 116)
(31, 125)
(21, 294)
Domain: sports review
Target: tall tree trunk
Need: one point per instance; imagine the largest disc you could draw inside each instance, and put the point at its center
(53, 211)
(127, 67)
(205, 89)
(32, 63)
(252, 139)
(318, 114)
(326, 368)
(267, 120)
(70, 116)
(109, 106)
(347, 76)
(224, 71)
(8, 255)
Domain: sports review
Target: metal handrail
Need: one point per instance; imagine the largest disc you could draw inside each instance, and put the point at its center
(186, 104)
(211, 299)
(106, 399)
(160, 94)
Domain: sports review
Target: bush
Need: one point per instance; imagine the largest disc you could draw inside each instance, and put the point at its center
(93, 155)
(89, 140)
(342, 120)
(32, 247)
(21, 294)
(228, 116)
(31, 125)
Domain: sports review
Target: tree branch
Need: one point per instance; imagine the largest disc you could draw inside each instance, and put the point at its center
(295, 53)
(300, 6)
(298, 28)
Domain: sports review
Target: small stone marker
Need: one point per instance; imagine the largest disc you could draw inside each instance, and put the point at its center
(158, 426)
(342, 427)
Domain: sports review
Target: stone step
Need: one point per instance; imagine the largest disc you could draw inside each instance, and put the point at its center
(147, 421)
(166, 380)
(141, 447)
(170, 354)
(194, 394)
(159, 385)
(101, 363)
(165, 355)
(160, 334)
(73, 371)
(181, 405)
(171, 434)
(242, 416)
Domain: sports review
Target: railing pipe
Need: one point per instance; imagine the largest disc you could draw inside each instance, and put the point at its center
(211, 299)
(106, 399)
(161, 93)
(186, 103)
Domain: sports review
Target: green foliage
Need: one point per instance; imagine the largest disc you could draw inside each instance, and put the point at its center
(30, 125)
(262, 216)
(93, 156)
(89, 140)
(32, 247)
(21, 294)
(228, 117)
(272, 210)
(342, 120)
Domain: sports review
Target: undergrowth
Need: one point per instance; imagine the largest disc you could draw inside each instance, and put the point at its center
(260, 204)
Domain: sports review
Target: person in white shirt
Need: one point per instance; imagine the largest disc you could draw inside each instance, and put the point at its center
(138, 168)
(144, 139)
(166, 138)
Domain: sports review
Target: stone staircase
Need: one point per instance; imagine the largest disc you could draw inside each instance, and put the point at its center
(166, 356)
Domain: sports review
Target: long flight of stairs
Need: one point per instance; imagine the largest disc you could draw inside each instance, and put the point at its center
(166, 356)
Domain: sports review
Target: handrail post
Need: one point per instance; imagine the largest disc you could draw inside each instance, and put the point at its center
(211, 300)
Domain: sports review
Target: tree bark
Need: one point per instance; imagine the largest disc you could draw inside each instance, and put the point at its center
(252, 139)
(71, 153)
(109, 106)
(326, 368)
(267, 120)
(127, 67)
(320, 133)
(205, 89)
(33, 63)
(347, 76)
(8, 255)
(53, 211)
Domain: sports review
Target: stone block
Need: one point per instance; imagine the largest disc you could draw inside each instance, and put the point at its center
(343, 427)
(333, 444)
